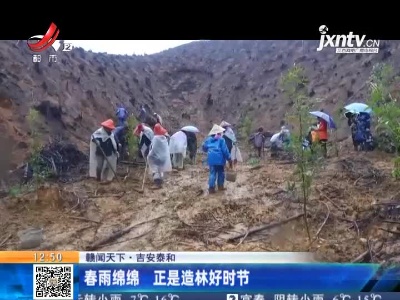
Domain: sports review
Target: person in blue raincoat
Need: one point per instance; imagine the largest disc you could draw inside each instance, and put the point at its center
(217, 155)
(122, 115)
(120, 134)
(360, 124)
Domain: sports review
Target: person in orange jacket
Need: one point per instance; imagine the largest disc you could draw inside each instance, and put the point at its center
(322, 130)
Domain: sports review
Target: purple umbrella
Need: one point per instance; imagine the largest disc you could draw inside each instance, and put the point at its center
(325, 117)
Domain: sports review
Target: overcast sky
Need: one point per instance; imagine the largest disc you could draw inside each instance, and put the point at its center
(128, 47)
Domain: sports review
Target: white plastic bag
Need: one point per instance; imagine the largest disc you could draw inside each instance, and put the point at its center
(235, 154)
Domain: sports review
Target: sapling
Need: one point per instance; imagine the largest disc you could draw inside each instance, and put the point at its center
(294, 84)
(39, 169)
(131, 139)
(336, 146)
(386, 110)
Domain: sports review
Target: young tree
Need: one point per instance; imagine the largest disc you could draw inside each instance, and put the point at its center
(294, 84)
(39, 168)
(131, 139)
(382, 99)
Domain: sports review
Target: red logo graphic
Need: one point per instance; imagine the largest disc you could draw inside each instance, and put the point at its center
(46, 41)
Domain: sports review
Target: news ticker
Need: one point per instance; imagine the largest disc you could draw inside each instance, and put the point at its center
(77, 257)
(241, 296)
(96, 281)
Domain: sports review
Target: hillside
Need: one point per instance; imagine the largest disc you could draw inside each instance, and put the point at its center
(199, 83)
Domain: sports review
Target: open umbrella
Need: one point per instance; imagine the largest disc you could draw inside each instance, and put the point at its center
(358, 107)
(190, 129)
(325, 117)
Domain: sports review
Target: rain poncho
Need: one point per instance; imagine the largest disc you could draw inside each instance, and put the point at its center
(178, 143)
(231, 143)
(177, 147)
(159, 157)
(275, 139)
(217, 151)
(96, 158)
(122, 115)
(362, 132)
(230, 134)
(236, 155)
(148, 132)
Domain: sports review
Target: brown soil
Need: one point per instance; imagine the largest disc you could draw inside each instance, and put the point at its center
(349, 189)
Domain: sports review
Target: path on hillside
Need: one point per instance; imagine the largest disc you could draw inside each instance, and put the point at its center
(191, 219)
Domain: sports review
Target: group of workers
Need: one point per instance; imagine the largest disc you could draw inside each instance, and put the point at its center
(359, 122)
(280, 141)
(162, 152)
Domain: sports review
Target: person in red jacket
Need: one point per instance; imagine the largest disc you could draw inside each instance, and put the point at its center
(322, 129)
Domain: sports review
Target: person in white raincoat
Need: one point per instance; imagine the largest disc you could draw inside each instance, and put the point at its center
(103, 152)
(279, 140)
(159, 158)
(177, 147)
(231, 142)
(146, 135)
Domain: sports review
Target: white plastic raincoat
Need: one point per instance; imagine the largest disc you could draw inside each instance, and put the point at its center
(275, 137)
(235, 154)
(148, 132)
(103, 135)
(178, 143)
(159, 157)
(230, 134)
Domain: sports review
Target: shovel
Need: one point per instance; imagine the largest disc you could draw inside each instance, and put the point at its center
(106, 158)
(144, 177)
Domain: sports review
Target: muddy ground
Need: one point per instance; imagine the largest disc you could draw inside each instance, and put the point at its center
(347, 214)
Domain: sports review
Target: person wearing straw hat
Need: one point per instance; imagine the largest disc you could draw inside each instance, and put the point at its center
(217, 155)
(159, 158)
(103, 152)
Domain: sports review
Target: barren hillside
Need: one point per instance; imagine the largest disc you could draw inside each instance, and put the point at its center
(198, 83)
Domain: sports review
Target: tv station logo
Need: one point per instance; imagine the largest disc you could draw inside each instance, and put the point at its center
(39, 43)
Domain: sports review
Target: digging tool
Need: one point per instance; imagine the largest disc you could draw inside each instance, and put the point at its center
(144, 176)
(106, 158)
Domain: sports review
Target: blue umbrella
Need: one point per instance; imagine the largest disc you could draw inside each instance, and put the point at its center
(325, 117)
(358, 107)
(190, 129)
